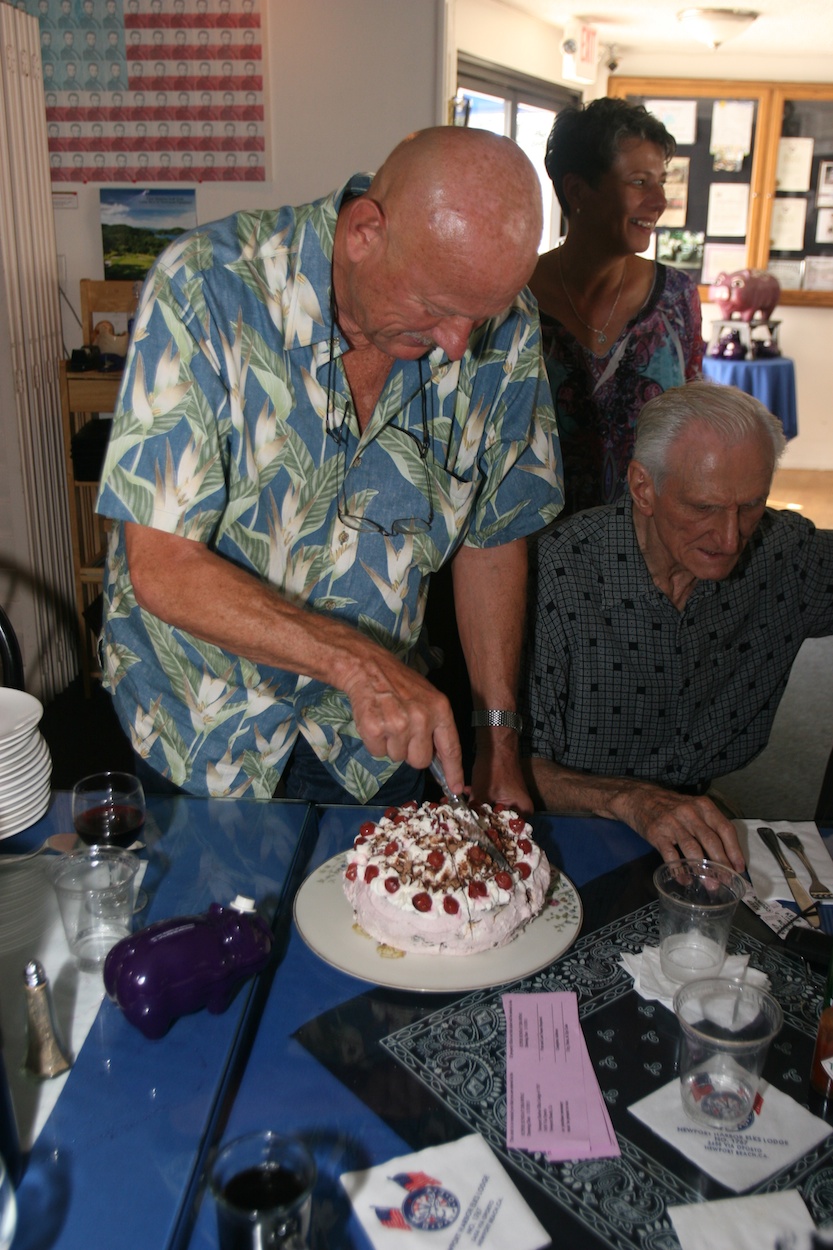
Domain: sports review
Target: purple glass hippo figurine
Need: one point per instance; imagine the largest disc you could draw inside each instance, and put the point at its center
(745, 293)
(177, 966)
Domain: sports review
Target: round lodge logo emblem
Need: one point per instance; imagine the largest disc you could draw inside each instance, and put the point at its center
(427, 1206)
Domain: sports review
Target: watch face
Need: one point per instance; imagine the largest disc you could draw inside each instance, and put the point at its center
(430, 1208)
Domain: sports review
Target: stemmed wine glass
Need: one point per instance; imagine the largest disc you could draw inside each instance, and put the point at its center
(108, 809)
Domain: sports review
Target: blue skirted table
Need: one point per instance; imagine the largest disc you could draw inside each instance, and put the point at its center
(770, 381)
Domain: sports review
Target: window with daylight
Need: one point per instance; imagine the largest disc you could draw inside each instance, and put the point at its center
(491, 97)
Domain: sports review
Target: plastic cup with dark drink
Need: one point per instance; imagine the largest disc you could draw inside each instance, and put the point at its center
(262, 1185)
(108, 809)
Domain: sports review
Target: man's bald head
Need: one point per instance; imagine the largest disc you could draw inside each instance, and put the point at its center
(444, 238)
(467, 189)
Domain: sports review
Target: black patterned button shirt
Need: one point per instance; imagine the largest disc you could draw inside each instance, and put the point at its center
(620, 683)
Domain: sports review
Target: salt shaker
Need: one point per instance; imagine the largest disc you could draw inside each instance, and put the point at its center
(45, 1056)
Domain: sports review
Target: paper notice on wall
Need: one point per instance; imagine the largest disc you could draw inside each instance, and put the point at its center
(722, 258)
(731, 137)
(795, 160)
(786, 230)
(732, 126)
(728, 209)
(676, 191)
(824, 226)
(679, 117)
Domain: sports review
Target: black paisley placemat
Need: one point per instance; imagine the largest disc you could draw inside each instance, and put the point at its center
(433, 1069)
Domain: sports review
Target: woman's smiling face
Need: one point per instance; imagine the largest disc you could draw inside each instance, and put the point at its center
(629, 199)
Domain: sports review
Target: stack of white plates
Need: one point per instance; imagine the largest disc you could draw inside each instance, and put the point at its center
(25, 764)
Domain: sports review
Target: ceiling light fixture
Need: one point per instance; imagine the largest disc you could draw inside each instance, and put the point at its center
(715, 26)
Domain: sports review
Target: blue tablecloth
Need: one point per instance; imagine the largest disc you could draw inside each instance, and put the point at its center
(119, 1164)
(365, 1074)
(123, 1151)
(770, 381)
(286, 1086)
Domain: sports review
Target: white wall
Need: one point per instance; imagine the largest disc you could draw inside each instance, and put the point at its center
(726, 62)
(347, 79)
(496, 32)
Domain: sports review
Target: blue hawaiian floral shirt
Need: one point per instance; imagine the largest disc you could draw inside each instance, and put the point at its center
(235, 428)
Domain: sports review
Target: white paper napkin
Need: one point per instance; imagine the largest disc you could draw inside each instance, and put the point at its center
(780, 1134)
(767, 878)
(455, 1195)
(650, 981)
(761, 1222)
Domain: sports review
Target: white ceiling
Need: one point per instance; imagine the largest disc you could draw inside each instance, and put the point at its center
(786, 27)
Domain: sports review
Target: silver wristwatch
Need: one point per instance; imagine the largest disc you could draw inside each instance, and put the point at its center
(512, 720)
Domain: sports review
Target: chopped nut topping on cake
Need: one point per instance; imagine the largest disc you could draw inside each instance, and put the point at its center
(418, 881)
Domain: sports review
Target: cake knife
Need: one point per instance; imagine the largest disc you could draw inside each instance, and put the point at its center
(806, 905)
(461, 805)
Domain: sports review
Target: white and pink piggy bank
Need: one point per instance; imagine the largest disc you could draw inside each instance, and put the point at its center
(745, 293)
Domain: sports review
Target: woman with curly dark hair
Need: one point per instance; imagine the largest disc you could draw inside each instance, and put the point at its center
(617, 328)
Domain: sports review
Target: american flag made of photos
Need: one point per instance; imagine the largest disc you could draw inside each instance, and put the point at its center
(152, 90)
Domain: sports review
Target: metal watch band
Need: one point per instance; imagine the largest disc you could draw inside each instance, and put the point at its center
(491, 717)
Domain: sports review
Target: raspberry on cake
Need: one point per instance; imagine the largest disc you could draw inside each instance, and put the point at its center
(417, 881)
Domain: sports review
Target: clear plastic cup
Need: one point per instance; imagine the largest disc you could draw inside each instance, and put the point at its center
(95, 889)
(726, 1028)
(697, 903)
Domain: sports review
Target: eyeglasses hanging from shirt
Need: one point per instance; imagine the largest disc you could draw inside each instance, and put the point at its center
(351, 508)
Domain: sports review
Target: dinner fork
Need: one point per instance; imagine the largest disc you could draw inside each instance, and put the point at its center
(793, 843)
(57, 842)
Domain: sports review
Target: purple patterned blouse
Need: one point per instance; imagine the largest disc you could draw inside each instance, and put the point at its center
(598, 398)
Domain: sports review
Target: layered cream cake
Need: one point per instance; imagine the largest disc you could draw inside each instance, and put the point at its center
(418, 882)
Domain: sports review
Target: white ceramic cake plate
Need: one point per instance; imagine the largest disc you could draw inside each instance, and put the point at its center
(325, 921)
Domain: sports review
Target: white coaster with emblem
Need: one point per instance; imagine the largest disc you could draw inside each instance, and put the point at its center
(775, 1138)
(453, 1195)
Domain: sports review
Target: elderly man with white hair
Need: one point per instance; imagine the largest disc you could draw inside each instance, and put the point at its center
(665, 625)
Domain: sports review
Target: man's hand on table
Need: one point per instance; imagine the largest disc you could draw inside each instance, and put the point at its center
(679, 826)
(683, 826)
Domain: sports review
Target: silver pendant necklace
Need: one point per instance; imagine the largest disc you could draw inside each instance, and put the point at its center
(601, 337)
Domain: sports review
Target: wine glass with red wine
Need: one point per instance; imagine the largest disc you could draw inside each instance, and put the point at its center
(108, 809)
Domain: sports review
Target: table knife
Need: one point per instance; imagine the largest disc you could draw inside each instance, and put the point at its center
(460, 804)
(806, 905)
